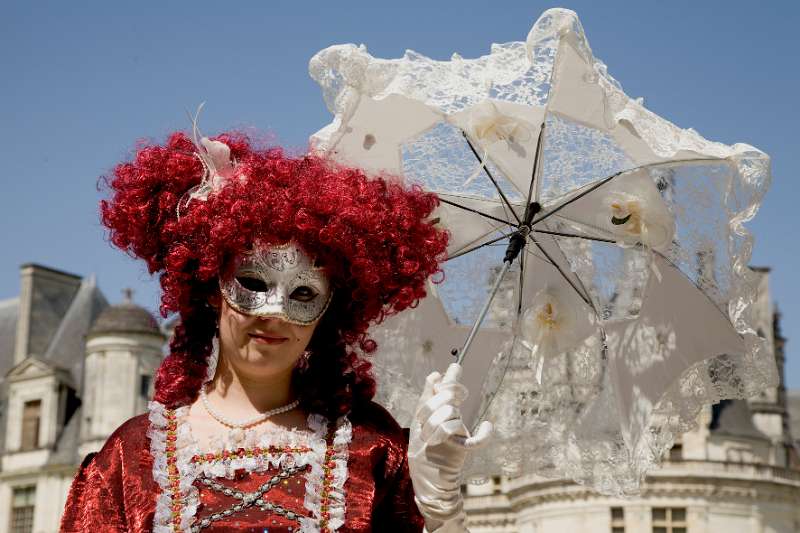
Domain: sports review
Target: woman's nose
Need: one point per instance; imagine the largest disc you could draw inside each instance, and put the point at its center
(269, 319)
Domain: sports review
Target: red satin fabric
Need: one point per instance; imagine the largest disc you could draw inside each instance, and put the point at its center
(114, 490)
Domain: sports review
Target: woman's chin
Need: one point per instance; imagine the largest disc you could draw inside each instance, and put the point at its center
(264, 368)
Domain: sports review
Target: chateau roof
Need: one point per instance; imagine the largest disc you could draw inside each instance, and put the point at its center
(68, 344)
(732, 418)
(126, 317)
(9, 311)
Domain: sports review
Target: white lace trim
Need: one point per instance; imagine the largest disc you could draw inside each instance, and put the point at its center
(164, 423)
(184, 498)
(325, 483)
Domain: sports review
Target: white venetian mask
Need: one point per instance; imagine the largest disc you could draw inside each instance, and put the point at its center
(279, 281)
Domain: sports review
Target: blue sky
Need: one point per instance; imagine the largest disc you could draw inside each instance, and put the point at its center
(82, 81)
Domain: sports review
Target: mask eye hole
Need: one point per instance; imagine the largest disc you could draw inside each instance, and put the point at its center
(252, 284)
(303, 294)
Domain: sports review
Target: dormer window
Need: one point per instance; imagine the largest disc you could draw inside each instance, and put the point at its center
(31, 417)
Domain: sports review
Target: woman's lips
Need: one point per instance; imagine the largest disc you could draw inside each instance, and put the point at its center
(265, 338)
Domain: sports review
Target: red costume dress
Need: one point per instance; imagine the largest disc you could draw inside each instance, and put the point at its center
(349, 475)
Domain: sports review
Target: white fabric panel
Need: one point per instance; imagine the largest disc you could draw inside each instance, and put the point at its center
(373, 135)
(515, 157)
(678, 326)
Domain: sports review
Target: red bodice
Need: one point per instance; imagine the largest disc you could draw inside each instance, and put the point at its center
(115, 489)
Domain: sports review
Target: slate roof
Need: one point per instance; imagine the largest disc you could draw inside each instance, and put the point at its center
(51, 294)
(126, 317)
(9, 310)
(66, 449)
(68, 347)
(732, 418)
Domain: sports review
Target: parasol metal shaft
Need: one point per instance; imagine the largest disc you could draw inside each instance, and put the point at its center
(463, 351)
(515, 245)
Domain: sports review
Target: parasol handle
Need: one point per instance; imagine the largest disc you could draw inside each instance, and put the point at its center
(463, 352)
(515, 245)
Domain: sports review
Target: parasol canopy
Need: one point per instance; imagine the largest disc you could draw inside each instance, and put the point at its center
(626, 304)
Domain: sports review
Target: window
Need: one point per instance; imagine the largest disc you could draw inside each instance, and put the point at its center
(676, 452)
(144, 386)
(617, 520)
(22, 509)
(669, 520)
(497, 483)
(31, 414)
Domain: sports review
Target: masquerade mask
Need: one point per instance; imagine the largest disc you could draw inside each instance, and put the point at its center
(278, 281)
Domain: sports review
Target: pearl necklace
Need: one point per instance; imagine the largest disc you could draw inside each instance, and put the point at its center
(237, 432)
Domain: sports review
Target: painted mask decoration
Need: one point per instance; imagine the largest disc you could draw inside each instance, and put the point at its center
(279, 281)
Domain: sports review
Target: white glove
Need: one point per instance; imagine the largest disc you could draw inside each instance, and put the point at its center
(437, 450)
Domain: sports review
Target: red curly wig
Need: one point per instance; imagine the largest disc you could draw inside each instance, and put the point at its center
(372, 235)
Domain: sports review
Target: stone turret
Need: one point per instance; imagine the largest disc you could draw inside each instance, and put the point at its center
(123, 351)
(770, 414)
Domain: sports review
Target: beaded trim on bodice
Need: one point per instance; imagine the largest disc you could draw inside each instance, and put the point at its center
(179, 467)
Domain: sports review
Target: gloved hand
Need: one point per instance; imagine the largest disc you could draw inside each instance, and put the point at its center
(437, 450)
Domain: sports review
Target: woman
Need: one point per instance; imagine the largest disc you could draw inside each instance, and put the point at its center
(262, 418)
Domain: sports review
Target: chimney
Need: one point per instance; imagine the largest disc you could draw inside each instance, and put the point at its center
(45, 296)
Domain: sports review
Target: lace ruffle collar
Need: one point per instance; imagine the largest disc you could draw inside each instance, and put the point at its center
(178, 462)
